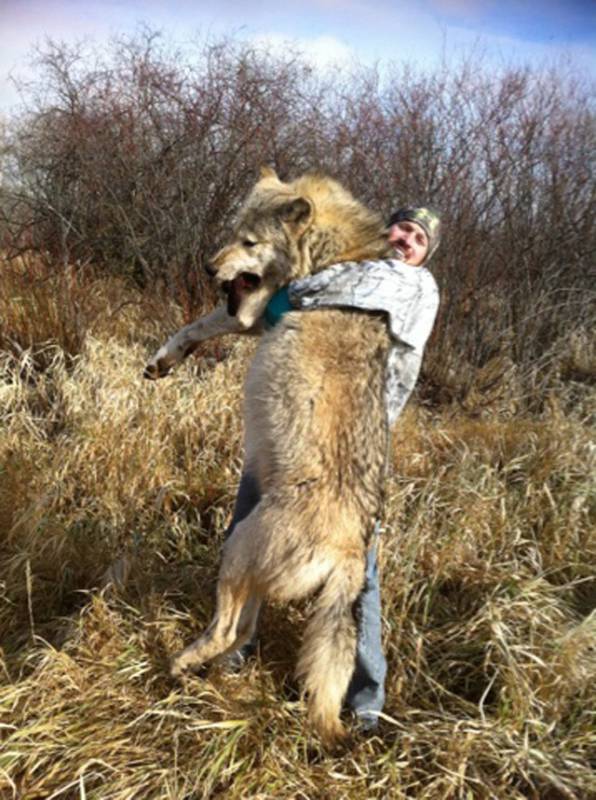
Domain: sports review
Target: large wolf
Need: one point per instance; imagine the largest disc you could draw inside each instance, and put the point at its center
(316, 431)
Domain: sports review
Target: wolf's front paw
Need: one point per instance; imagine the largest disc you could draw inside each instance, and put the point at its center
(153, 372)
(160, 365)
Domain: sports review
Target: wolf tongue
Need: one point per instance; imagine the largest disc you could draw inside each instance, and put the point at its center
(234, 296)
(236, 289)
(249, 281)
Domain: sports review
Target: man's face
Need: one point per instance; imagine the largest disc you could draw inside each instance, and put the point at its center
(410, 242)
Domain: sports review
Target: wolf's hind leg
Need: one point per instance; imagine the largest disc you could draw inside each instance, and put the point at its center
(232, 625)
(327, 656)
(238, 602)
(247, 624)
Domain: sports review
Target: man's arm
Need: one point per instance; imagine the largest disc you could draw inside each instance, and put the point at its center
(187, 339)
(407, 294)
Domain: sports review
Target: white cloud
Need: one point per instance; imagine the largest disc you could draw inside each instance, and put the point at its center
(321, 51)
(346, 30)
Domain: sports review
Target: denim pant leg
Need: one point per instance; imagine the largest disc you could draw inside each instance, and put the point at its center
(366, 692)
(247, 498)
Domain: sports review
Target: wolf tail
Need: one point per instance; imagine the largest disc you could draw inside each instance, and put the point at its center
(327, 656)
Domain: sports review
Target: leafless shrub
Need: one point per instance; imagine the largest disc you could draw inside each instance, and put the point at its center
(136, 162)
(136, 158)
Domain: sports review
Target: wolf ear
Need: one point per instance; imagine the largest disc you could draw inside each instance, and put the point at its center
(297, 214)
(267, 172)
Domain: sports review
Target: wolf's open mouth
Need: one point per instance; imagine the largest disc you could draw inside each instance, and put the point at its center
(245, 283)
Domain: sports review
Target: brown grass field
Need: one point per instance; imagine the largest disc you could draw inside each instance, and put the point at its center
(488, 562)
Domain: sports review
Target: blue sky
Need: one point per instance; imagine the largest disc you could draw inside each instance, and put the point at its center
(328, 31)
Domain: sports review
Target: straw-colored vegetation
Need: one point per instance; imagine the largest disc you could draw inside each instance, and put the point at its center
(488, 560)
(124, 170)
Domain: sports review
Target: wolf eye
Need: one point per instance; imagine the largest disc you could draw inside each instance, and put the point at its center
(248, 243)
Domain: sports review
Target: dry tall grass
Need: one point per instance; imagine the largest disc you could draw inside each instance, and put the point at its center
(488, 561)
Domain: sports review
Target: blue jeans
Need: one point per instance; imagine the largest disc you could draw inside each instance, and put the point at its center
(366, 692)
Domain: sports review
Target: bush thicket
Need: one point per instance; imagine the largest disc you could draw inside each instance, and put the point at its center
(134, 160)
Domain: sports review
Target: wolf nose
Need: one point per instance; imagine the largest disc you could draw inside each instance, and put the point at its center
(210, 269)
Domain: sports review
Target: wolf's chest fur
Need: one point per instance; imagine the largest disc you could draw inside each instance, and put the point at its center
(315, 403)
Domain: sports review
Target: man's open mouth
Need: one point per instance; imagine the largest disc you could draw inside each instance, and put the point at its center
(235, 290)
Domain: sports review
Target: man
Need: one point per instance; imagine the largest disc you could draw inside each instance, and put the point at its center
(409, 298)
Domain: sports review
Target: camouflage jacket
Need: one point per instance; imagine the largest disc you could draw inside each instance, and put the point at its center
(408, 295)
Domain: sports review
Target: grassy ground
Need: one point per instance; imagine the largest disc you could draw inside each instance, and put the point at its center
(488, 561)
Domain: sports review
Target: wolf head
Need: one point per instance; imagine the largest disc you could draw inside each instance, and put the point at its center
(288, 230)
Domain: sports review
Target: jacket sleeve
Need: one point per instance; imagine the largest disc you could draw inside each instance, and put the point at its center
(408, 295)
